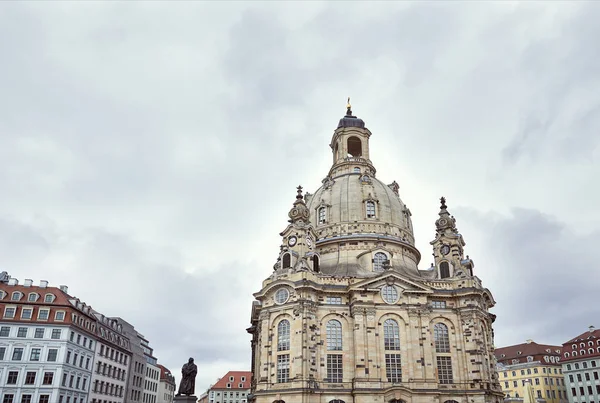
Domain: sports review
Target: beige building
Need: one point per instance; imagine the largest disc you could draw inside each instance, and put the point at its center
(347, 316)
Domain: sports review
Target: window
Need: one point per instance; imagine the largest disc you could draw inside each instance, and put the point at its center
(333, 300)
(282, 295)
(440, 335)
(334, 335)
(283, 335)
(22, 332)
(287, 260)
(17, 354)
(393, 368)
(30, 378)
(43, 314)
(444, 366)
(356, 170)
(444, 270)
(438, 304)
(32, 297)
(26, 313)
(322, 215)
(378, 261)
(354, 146)
(16, 296)
(334, 368)
(56, 333)
(391, 335)
(4, 331)
(59, 315)
(2, 352)
(12, 377)
(315, 260)
(8, 398)
(26, 399)
(537, 381)
(9, 312)
(389, 294)
(283, 368)
(52, 354)
(39, 333)
(35, 354)
(370, 209)
(49, 298)
(48, 378)
(44, 399)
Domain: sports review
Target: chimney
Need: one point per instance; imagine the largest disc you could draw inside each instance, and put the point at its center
(529, 341)
(28, 282)
(64, 289)
(13, 281)
(43, 283)
(592, 328)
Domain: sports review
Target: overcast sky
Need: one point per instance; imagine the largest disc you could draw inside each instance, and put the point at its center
(149, 152)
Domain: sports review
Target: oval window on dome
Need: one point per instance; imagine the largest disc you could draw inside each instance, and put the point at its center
(389, 293)
(281, 296)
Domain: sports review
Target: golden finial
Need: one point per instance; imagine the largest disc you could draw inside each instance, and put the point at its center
(348, 108)
(348, 104)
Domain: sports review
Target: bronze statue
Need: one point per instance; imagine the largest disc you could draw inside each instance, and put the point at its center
(188, 378)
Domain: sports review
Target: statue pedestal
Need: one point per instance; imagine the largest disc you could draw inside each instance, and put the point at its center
(185, 399)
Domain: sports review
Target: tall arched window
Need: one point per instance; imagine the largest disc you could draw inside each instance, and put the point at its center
(322, 215)
(442, 349)
(334, 335)
(315, 260)
(354, 146)
(391, 342)
(444, 270)
(283, 335)
(370, 209)
(378, 261)
(286, 261)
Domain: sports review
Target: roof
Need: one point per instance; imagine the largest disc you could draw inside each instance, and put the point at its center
(594, 333)
(530, 348)
(234, 380)
(584, 346)
(165, 374)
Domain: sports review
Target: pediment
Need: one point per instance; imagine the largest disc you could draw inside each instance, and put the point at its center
(388, 278)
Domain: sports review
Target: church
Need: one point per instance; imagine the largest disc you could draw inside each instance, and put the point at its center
(347, 316)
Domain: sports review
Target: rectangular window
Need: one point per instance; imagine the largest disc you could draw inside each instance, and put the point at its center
(9, 312)
(335, 369)
(52, 354)
(48, 378)
(438, 304)
(35, 354)
(283, 368)
(444, 367)
(68, 357)
(4, 331)
(30, 378)
(59, 316)
(2, 352)
(78, 339)
(44, 399)
(393, 368)
(571, 378)
(579, 378)
(574, 391)
(596, 375)
(587, 376)
(333, 300)
(43, 314)
(590, 390)
(26, 313)
(8, 398)
(56, 333)
(506, 385)
(39, 333)
(25, 398)
(17, 354)
(22, 332)
(12, 377)
(370, 209)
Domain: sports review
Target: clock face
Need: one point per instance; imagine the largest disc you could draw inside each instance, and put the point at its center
(309, 242)
(292, 240)
(445, 249)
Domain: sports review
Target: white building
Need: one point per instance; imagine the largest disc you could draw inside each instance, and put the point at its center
(151, 382)
(166, 387)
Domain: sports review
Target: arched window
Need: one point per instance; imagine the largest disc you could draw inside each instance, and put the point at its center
(354, 146)
(356, 170)
(574, 353)
(591, 351)
(450, 401)
(315, 260)
(32, 297)
(444, 270)
(16, 296)
(322, 215)
(378, 261)
(370, 209)
(391, 341)
(581, 352)
(283, 335)
(336, 401)
(286, 261)
(334, 335)
(440, 335)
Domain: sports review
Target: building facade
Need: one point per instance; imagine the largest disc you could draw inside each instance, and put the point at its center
(166, 387)
(533, 363)
(581, 367)
(134, 388)
(234, 387)
(47, 344)
(347, 316)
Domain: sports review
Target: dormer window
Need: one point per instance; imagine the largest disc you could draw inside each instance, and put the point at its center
(2, 294)
(32, 297)
(49, 298)
(370, 209)
(16, 296)
(322, 215)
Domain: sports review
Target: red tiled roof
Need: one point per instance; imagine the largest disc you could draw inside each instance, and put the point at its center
(587, 343)
(165, 374)
(234, 379)
(520, 352)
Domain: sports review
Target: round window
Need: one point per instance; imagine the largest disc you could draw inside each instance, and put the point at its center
(389, 293)
(281, 296)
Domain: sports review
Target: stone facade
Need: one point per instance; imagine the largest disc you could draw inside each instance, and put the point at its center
(347, 316)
